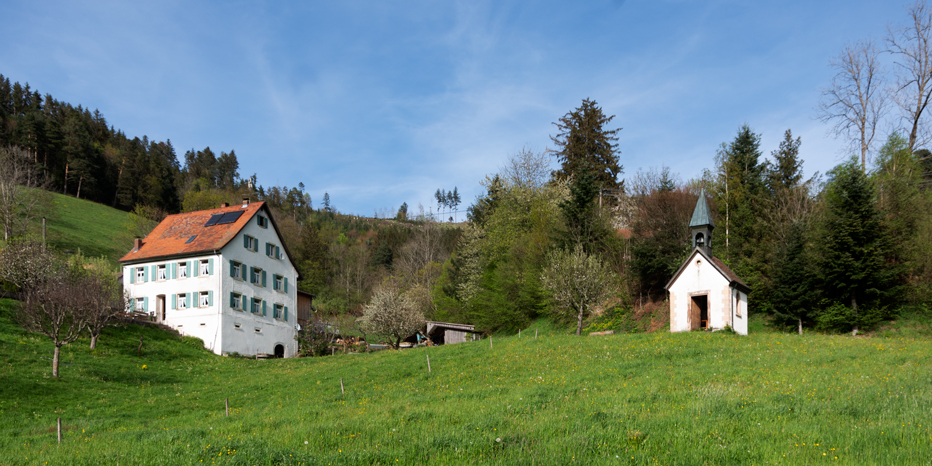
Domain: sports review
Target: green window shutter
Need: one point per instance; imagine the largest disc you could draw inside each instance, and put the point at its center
(278, 252)
(252, 270)
(286, 313)
(132, 274)
(145, 274)
(255, 245)
(210, 297)
(210, 266)
(174, 270)
(245, 241)
(231, 300)
(263, 307)
(196, 270)
(286, 284)
(174, 301)
(231, 269)
(267, 249)
(187, 300)
(263, 278)
(145, 304)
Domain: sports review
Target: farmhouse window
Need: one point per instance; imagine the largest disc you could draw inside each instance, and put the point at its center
(250, 243)
(273, 251)
(279, 310)
(182, 270)
(160, 273)
(278, 284)
(141, 304)
(236, 301)
(256, 306)
(257, 276)
(262, 221)
(182, 301)
(204, 298)
(205, 267)
(236, 270)
(140, 274)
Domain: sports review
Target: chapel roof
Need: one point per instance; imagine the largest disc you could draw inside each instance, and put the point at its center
(702, 215)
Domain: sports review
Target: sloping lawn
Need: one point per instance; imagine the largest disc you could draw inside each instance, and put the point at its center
(93, 228)
(690, 398)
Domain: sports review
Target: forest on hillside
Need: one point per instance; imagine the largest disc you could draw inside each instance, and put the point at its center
(837, 252)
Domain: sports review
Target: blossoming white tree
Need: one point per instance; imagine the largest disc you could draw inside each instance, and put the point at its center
(391, 314)
(578, 282)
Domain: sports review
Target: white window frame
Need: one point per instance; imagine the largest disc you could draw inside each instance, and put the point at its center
(263, 221)
(278, 283)
(255, 306)
(183, 269)
(278, 311)
(181, 301)
(140, 305)
(238, 301)
(140, 274)
(203, 299)
(238, 270)
(161, 272)
(204, 267)
(253, 243)
(256, 277)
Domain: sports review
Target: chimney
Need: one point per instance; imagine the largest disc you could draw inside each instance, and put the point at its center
(223, 204)
(137, 243)
(245, 201)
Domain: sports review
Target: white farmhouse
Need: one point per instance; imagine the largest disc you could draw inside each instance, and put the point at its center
(222, 275)
(704, 292)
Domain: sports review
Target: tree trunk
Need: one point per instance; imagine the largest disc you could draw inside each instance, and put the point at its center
(854, 306)
(65, 191)
(55, 361)
(579, 321)
(93, 341)
(800, 325)
(79, 187)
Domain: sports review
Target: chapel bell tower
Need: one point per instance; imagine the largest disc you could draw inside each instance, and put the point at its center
(702, 225)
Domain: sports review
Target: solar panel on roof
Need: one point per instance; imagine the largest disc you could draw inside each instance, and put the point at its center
(230, 217)
(190, 239)
(213, 220)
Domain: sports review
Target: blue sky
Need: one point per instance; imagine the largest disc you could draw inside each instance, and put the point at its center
(379, 103)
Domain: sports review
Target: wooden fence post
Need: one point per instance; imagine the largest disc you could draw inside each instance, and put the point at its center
(226, 403)
(342, 392)
(490, 341)
(59, 430)
(535, 333)
(428, 363)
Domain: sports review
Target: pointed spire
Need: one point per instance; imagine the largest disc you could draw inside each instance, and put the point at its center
(702, 215)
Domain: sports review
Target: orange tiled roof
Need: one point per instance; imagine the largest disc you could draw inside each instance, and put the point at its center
(169, 238)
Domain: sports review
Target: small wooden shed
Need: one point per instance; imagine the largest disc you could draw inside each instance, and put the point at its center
(305, 308)
(447, 333)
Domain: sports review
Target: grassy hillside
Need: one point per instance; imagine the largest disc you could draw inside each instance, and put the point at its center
(93, 228)
(691, 398)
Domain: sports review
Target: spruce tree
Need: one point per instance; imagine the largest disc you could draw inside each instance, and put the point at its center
(854, 246)
(794, 291)
(586, 144)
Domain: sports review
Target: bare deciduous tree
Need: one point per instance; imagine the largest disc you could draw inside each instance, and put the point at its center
(101, 299)
(22, 191)
(392, 315)
(54, 309)
(856, 100)
(527, 170)
(578, 282)
(912, 47)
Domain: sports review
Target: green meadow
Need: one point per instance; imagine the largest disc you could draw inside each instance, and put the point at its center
(690, 398)
(92, 228)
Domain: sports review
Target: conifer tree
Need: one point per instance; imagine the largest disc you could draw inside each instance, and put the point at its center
(586, 144)
(854, 246)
